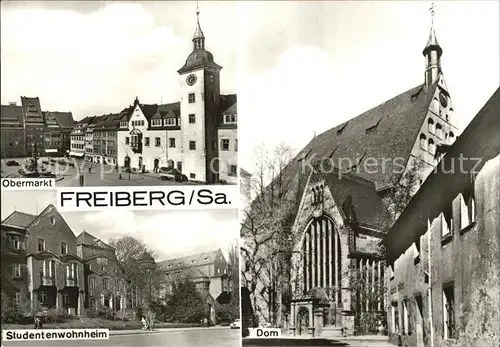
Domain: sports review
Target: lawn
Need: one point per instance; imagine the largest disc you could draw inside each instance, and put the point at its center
(94, 323)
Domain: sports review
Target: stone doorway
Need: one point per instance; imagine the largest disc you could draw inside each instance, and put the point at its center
(303, 321)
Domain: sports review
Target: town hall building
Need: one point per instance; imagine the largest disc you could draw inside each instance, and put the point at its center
(196, 135)
(345, 181)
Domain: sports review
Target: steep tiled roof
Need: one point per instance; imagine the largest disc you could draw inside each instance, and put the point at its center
(227, 101)
(19, 220)
(368, 206)
(199, 259)
(11, 113)
(231, 109)
(85, 238)
(386, 131)
(172, 110)
(480, 141)
(88, 239)
(64, 119)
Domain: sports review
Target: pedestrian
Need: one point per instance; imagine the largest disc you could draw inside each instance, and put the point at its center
(144, 323)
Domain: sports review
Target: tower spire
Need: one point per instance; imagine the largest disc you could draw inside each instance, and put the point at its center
(432, 53)
(198, 38)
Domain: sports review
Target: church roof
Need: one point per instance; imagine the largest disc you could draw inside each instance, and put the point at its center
(480, 141)
(366, 203)
(388, 130)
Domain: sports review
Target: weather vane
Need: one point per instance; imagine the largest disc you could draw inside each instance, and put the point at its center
(433, 6)
(197, 8)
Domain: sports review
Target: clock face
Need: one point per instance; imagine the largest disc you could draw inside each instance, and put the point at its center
(443, 99)
(191, 79)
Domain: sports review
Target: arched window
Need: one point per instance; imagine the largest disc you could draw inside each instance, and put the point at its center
(430, 126)
(423, 142)
(451, 135)
(439, 131)
(432, 147)
(322, 262)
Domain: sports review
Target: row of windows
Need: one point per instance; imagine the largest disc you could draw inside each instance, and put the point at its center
(78, 145)
(437, 129)
(138, 123)
(104, 133)
(77, 138)
(164, 122)
(405, 318)
(230, 118)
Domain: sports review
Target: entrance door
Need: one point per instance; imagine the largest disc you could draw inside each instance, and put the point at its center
(419, 323)
(303, 321)
(127, 162)
(140, 163)
(156, 163)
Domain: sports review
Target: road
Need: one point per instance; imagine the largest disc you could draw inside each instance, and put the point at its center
(175, 338)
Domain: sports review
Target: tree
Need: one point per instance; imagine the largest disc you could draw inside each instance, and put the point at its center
(186, 304)
(266, 231)
(234, 266)
(129, 253)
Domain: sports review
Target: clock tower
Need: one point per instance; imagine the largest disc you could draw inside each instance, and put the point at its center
(200, 111)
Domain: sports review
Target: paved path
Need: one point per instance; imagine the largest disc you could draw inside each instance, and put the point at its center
(209, 337)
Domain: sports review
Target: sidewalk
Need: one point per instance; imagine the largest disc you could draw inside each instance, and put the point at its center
(161, 330)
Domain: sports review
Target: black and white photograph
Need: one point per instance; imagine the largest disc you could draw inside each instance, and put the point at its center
(109, 93)
(153, 278)
(371, 217)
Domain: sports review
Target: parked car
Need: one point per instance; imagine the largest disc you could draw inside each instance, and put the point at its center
(172, 174)
(12, 163)
(236, 324)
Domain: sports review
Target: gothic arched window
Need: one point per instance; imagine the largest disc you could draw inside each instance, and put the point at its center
(322, 262)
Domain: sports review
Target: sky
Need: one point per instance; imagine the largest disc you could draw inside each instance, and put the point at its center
(305, 67)
(299, 68)
(168, 234)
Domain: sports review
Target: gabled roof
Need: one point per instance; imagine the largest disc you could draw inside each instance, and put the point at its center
(199, 259)
(367, 205)
(90, 240)
(227, 101)
(172, 110)
(233, 109)
(394, 126)
(11, 113)
(19, 220)
(480, 142)
(64, 119)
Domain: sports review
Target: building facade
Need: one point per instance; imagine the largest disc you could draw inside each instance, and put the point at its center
(346, 188)
(58, 127)
(46, 266)
(208, 271)
(443, 251)
(12, 131)
(228, 145)
(40, 265)
(27, 128)
(105, 285)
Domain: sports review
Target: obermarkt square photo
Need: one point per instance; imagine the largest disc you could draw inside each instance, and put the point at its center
(108, 93)
(372, 217)
(137, 274)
